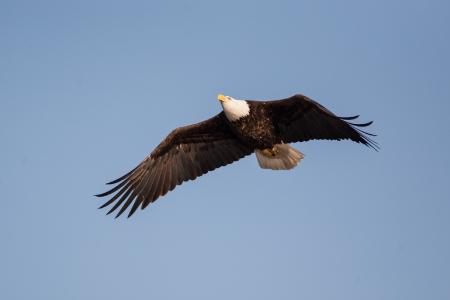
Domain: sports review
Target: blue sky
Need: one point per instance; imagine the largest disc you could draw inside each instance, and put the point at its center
(88, 88)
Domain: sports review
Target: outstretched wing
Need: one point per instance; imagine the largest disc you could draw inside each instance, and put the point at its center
(299, 119)
(186, 153)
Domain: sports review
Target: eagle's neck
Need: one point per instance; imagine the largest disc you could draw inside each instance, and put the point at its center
(235, 109)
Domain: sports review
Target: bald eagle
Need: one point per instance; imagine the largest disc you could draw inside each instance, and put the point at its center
(243, 127)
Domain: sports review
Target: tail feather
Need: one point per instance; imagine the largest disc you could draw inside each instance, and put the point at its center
(281, 157)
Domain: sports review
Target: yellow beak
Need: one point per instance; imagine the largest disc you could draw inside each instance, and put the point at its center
(222, 98)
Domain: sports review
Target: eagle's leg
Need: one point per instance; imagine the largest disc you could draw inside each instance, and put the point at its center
(279, 157)
(270, 152)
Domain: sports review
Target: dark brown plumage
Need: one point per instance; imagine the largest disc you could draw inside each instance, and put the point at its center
(194, 150)
(300, 119)
(186, 153)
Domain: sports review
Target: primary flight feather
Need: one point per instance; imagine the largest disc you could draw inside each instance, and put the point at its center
(243, 127)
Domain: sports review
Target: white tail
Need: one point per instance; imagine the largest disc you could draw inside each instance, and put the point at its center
(281, 157)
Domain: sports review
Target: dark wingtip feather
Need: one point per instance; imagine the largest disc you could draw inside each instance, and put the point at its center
(361, 124)
(119, 179)
(364, 136)
(349, 118)
(120, 201)
(135, 206)
(122, 177)
(374, 145)
(365, 132)
(104, 194)
(114, 189)
(111, 211)
(124, 207)
(368, 141)
(106, 204)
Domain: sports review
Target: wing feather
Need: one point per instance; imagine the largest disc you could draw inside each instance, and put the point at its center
(122, 198)
(187, 153)
(299, 119)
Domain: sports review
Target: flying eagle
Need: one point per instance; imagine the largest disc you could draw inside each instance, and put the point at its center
(243, 127)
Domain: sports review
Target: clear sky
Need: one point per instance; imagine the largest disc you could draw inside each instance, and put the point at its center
(88, 88)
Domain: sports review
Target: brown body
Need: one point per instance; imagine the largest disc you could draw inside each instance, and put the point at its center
(257, 129)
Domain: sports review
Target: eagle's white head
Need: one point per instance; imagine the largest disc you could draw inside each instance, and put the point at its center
(234, 109)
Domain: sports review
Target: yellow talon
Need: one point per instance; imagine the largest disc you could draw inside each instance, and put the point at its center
(270, 152)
